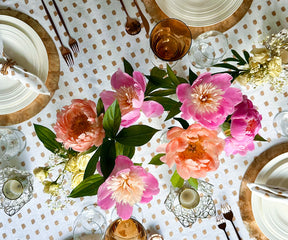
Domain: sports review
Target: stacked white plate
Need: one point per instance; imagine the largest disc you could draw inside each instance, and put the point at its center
(23, 45)
(199, 13)
(271, 216)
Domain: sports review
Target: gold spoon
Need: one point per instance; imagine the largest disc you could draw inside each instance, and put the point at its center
(132, 25)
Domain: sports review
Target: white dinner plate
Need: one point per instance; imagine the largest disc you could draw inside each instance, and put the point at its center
(22, 44)
(271, 216)
(199, 13)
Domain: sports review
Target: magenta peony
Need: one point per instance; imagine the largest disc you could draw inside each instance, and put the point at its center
(126, 186)
(195, 151)
(78, 126)
(209, 100)
(130, 95)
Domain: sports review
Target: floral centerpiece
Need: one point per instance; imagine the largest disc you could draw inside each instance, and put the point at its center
(95, 143)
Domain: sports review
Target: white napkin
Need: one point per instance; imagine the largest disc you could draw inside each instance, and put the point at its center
(274, 193)
(14, 71)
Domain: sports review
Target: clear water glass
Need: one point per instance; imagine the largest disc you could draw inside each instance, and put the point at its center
(208, 49)
(280, 123)
(90, 224)
(12, 143)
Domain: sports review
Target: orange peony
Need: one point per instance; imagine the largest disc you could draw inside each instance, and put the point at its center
(195, 151)
(78, 126)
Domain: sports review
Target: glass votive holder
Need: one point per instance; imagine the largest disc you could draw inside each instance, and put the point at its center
(188, 203)
(16, 189)
(156, 237)
(208, 49)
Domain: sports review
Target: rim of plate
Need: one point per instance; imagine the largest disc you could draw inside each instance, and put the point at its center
(197, 14)
(40, 62)
(264, 215)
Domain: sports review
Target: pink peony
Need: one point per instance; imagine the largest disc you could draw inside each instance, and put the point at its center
(209, 100)
(130, 95)
(195, 151)
(245, 121)
(234, 146)
(245, 125)
(126, 186)
(78, 126)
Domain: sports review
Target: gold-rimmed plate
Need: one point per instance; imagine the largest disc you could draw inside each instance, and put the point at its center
(218, 15)
(275, 156)
(45, 63)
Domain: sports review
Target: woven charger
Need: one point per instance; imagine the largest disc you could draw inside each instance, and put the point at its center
(53, 72)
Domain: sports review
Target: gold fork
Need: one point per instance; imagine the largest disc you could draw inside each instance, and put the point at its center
(221, 223)
(228, 214)
(72, 42)
(65, 52)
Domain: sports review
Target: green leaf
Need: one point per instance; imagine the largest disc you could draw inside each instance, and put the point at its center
(161, 93)
(112, 120)
(172, 76)
(166, 102)
(91, 166)
(237, 55)
(107, 157)
(230, 59)
(192, 76)
(156, 159)
(259, 138)
(128, 67)
(88, 187)
(226, 128)
(247, 56)
(48, 138)
(183, 122)
(182, 80)
(176, 180)
(226, 65)
(124, 150)
(193, 182)
(100, 107)
(160, 82)
(158, 72)
(174, 110)
(150, 87)
(136, 135)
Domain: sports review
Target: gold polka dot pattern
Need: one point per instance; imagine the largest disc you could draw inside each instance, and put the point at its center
(99, 29)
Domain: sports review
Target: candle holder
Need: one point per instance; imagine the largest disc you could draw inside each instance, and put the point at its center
(188, 203)
(16, 189)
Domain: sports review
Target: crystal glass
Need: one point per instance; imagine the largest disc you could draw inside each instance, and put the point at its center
(170, 40)
(280, 123)
(129, 229)
(188, 203)
(16, 189)
(90, 224)
(208, 49)
(12, 143)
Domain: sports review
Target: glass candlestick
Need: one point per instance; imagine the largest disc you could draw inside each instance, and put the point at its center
(16, 189)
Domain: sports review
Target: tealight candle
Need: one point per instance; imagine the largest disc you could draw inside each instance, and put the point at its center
(12, 189)
(156, 237)
(189, 198)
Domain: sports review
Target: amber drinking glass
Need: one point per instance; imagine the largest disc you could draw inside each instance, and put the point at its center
(170, 40)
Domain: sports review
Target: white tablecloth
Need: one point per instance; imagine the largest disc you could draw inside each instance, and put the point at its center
(99, 28)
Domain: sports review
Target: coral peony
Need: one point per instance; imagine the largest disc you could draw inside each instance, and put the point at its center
(209, 100)
(245, 121)
(78, 126)
(130, 95)
(126, 186)
(195, 151)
